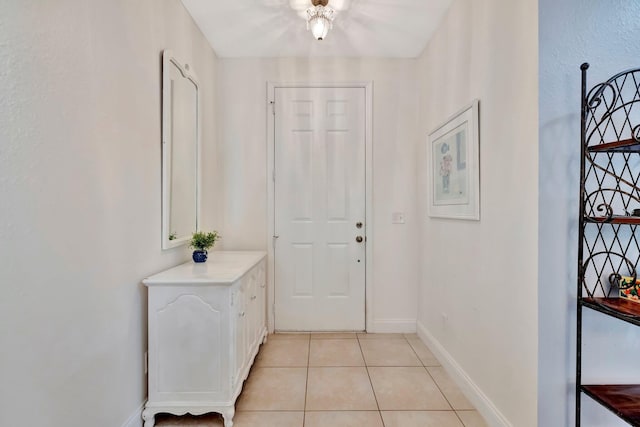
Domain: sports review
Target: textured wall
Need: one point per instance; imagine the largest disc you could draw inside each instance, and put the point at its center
(80, 212)
(605, 34)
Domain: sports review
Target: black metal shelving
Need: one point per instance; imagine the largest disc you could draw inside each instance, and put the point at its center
(609, 247)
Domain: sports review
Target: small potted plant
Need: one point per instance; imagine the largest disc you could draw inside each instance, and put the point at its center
(202, 241)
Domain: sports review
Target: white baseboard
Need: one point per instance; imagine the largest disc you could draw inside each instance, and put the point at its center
(392, 326)
(482, 403)
(135, 420)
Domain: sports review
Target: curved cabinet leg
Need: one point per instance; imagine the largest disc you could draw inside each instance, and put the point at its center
(149, 418)
(228, 414)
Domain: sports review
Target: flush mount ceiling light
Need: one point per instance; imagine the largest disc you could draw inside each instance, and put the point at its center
(320, 18)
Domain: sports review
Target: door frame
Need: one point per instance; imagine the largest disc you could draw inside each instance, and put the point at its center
(368, 219)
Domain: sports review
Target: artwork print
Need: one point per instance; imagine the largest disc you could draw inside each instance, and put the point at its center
(454, 167)
(449, 155)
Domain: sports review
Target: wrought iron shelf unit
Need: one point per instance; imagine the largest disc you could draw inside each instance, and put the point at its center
(609, 249)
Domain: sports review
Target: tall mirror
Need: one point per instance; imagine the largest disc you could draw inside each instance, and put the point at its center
(180, 152)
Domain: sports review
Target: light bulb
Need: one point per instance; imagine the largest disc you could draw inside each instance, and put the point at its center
(319, 27)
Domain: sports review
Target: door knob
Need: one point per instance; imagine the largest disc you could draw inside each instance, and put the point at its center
(358, 224)
(359, 239)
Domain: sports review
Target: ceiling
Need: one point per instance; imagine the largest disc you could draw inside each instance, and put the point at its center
(277, 28)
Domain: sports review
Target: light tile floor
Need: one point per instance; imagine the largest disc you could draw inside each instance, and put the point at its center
(344, 380)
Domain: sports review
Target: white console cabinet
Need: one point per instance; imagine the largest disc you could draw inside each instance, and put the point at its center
(206, 323)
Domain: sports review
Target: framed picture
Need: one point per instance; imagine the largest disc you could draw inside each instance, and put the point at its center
(453, 157)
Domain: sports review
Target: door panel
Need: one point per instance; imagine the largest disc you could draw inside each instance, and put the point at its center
(319, 186)
(337, 185)
(302, 266)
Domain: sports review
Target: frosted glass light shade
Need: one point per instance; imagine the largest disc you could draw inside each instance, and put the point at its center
(319, 21)
(319, 27)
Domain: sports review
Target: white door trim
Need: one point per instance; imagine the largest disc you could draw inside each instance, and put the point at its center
(368, 89)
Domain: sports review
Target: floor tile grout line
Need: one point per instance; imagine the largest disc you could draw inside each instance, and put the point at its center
(416, 353)
(428, 373)
(306, 386)
(441, 391)
(458, 417)
(420, 365)
(366, 366)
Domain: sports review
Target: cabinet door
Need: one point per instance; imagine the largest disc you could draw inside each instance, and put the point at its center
(187, 328)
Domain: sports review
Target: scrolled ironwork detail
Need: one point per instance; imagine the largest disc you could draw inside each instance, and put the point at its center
(635, 133)
(597, 95)
(614, 278)
(606, 208)
(608, 107)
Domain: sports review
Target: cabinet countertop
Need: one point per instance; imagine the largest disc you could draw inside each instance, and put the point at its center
(222, 267)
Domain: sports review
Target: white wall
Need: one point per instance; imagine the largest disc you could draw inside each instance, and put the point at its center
(80, 200)
(478, 284)
(243, 137)
(606, 36)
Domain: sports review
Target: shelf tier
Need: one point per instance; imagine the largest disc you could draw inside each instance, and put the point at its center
(616, 219)
(623, 146)
(623, 400)
(620, 308)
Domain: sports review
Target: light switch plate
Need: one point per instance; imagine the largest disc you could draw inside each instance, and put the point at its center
(397, 218)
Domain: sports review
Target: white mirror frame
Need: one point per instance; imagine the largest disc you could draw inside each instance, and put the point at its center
(167, 60)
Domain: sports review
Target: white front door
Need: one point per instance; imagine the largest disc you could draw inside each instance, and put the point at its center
(319, 209)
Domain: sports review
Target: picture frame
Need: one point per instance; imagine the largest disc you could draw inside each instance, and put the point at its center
(453, 166)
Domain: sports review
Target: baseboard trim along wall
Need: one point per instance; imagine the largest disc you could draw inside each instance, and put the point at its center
(475, 395)
(392, 326)
(135, 420)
